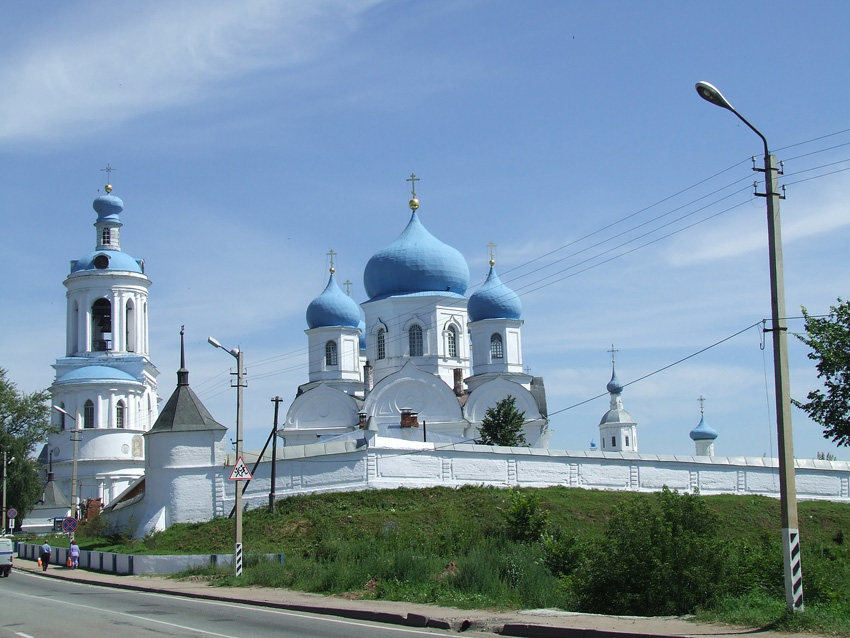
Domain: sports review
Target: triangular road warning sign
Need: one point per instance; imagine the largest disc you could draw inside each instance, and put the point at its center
(240, 471)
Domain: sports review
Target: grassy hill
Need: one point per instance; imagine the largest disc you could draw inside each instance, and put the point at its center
(462, 547)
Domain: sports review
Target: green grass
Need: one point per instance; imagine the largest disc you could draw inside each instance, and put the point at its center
(453, 547)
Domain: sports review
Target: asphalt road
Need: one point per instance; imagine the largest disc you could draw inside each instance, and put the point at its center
(35, 607)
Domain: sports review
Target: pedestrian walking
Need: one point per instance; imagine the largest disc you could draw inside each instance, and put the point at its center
(74, 554)
(44, 555)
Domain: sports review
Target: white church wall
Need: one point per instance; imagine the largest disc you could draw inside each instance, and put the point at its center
(352, 465)
(452, 466)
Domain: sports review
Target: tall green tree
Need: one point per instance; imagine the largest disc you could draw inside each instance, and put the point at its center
(829, 339)
(24, 423)
(502, 425)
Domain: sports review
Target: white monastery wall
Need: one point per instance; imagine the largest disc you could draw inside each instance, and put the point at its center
(353, 465)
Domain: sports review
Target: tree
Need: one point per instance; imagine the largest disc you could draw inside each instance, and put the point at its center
(829, 339)
(502, 425)
(24, 422)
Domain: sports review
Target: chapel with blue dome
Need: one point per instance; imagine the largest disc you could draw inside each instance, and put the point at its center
(703, 435)
(416, 350)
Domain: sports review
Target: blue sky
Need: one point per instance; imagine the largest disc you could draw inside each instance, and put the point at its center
(251, 138)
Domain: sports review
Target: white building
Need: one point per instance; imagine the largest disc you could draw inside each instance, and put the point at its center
(105, 384)
(418, 357)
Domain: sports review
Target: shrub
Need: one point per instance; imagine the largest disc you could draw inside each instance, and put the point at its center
(658, 556)
(525, 517)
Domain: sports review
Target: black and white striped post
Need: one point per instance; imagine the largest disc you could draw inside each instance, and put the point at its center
(240, 383)
(787, 482)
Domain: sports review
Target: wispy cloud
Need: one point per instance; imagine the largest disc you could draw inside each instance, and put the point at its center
(87, 75)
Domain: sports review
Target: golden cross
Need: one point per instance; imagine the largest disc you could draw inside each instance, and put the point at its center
(492, 247)
(347, 284)
(701, 404)
(612, 351)
(331, 253)
(412, 179)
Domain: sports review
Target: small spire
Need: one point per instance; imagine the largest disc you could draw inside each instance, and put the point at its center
(182, 373)
(331, 254)
(614, 386)
(108, 170)
(414, 202)
(492, 248)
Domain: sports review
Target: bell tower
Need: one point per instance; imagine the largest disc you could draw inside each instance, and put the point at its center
(105, 385)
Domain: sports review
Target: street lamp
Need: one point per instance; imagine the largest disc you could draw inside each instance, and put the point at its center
(237, 547)
(787, 488)
(6, 461)
(76, 439)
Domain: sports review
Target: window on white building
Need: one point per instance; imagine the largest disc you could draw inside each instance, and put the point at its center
(452, 341)
(496, 350)
(88, 414)
(613, 441)
(414, 335)
(330, 353)
(101, 319)
(119, 415)
(382, 345)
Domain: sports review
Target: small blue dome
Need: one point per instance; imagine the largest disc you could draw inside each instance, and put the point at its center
(614, 386)
(107, 260)
(415, 262)
(94, 374)
(333, 308)
(494, 300)
(703, 432)
(108, 208)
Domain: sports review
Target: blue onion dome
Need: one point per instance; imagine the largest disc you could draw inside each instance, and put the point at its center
(494, 300)
(614, 386)
(333, 308)
(703, 432)
(108, 208)
(416, 262)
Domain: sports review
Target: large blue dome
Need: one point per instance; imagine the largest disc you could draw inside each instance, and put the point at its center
(416, 262)
(333, 308)
(494, 300)
(110, 260)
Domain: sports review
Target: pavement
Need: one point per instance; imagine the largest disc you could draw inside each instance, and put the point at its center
(540, 623)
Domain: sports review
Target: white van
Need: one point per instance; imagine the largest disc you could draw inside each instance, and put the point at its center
(5, 556)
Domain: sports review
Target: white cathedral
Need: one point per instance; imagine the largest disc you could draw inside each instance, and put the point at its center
(396, 392)
(418, 359)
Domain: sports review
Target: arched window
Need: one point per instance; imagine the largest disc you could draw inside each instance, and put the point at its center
(88, 414)
(451, 336)
(106, 237)
(130, 325)
(496, 350)
(414, 335)
(330, 353)
(101, 319)
(382, 344)
(119, 415)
